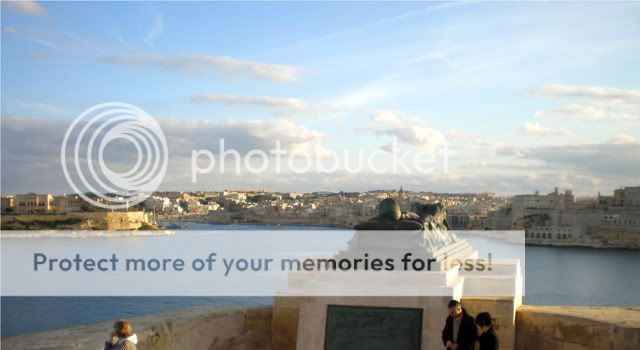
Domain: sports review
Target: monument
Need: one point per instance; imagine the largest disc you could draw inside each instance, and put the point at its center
(401, 304)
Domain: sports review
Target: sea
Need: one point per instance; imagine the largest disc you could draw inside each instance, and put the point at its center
(554, 276)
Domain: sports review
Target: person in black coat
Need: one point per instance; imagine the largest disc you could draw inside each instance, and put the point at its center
(464, 337)
(488, 339)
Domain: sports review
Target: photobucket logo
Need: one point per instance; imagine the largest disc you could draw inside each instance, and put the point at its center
(123, 127)
(279, 160)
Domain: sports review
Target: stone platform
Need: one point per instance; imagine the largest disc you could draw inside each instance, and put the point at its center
(305, 305)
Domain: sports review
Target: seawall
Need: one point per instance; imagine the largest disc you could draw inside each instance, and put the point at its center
(577, 328)
(131, 220)
(201, 328)
(266, 327)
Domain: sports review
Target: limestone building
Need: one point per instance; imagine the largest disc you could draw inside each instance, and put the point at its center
(32, 203)
(627, 197)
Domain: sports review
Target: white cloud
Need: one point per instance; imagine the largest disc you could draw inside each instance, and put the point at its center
(199, 64)
(606, 160)
(413, 131)
(386, 117)
(240, 135)
(581, 112)
(588, 92)
(26, 7)
(30, 149)
(41, 107)
(480, 143)
(32, 164)
(573, 111)
(622, 139)
(596, 103)
(292, 104)
(540, 130)
(391, 148)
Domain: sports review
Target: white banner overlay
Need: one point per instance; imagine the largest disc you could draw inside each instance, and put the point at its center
(262, 263)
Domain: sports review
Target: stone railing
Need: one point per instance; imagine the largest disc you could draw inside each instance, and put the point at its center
(579, 328)
(202, 328)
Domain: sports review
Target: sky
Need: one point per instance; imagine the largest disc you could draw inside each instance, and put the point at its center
(527, 95)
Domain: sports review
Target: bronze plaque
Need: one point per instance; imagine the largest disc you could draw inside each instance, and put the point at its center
(372, 328)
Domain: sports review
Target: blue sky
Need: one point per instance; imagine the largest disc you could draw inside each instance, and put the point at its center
(521, 91)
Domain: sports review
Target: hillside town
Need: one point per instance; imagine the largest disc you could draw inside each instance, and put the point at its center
(467, 210)
(559, 219)
(556, 218)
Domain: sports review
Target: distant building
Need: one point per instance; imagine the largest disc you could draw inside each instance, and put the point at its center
(32, 203)
(70, 203)
(604, 201)
(526, 205)
(553, 200)
(627, 197)
(8, 202)
(157, 204)
(556, 219)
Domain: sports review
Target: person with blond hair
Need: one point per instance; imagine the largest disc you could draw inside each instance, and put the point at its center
(122, 337)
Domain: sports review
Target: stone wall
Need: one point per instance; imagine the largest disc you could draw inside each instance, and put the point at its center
(286, 313)
(231, 328)
(80, 221)
(203, 328)
(536, 327)
(127, 220)
(577, 328)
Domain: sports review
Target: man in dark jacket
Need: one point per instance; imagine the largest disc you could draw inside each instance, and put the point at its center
(460, 332)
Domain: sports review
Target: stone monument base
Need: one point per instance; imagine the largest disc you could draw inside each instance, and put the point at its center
(300, 322)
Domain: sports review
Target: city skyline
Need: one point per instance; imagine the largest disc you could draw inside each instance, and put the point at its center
(527, 96)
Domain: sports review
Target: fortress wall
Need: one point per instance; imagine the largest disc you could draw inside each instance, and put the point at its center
(577, 328)
(127, 220)
(266, 327)
(203, 328)
(88, 220)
